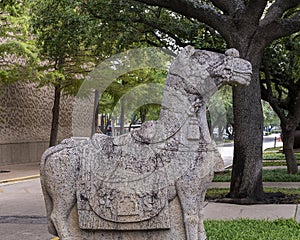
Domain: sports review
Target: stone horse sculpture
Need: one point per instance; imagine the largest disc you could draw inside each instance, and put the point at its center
(151, 182)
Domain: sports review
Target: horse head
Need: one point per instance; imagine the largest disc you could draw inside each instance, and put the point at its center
(193, 78)
(204, 72)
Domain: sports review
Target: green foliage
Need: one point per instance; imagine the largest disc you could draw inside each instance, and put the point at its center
(18, 55)
(65, 29)
(280, 75)
(277, 156)
(134, 87)
(208, 38)
(126, 24)
(61, 28)
(14, 8)
(219, 110)
(280, 85)
(277, 163)
(270, 117)
(275, 175)
(246, 229)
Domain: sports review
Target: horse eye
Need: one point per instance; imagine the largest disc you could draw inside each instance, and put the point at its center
(202, 60)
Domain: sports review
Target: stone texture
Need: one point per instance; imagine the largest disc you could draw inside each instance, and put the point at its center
(151, 182)
(26, 113)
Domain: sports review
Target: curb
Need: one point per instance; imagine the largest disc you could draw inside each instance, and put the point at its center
(19, 179)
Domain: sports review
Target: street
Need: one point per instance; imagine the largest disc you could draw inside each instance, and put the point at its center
(226, 149)
(22, 212)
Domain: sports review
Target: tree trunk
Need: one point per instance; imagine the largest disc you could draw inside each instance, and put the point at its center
(96, 108)
(133, 121)
(246, 179)
(297, 139)
(220, 132)
(55, 117)
(102, 124)
(122, 117)
(143, 113)
(288, 137)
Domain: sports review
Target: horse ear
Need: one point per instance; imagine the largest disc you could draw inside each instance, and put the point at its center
(232, 52)
(189, 50)
(183, 57)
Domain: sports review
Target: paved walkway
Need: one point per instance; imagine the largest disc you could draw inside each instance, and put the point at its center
(16, 175)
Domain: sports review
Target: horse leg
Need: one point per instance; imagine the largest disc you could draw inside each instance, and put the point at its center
(49, 208)
(59, 216)
(191, 190)
(189, 198)
(203, 184)
(190, 217)
(59, 178)
(202, 232)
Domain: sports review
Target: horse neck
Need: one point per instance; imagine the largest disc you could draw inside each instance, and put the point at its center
(177, 110)
(203, 126)
(181, 91)
(175, 104)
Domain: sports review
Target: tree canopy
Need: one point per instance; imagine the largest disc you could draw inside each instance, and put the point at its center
(63, 35)
(280, 84)
(130, 24)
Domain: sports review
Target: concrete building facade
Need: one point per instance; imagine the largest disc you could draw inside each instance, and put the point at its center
(25, 121)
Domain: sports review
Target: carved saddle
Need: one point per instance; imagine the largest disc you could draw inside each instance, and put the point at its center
(123, 185)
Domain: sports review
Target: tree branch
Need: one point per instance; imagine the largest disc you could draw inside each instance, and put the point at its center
(281, 28)
(267, 76)
(228, 7)
(267, 96)
(194, 9)
(277, 9)
(255, 9)
(158, 27)
(224, 6)
(297, 108)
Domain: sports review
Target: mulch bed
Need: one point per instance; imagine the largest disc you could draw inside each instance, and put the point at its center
(270, 198)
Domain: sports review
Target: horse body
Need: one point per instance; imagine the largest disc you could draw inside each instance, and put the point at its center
(148, 167)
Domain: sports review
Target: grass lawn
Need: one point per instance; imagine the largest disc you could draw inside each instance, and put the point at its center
(276, 175)
(252, 230)
(277, 156)
(267, 163)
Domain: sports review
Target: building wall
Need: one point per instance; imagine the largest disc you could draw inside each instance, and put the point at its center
(26, 152)
(25, 121)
